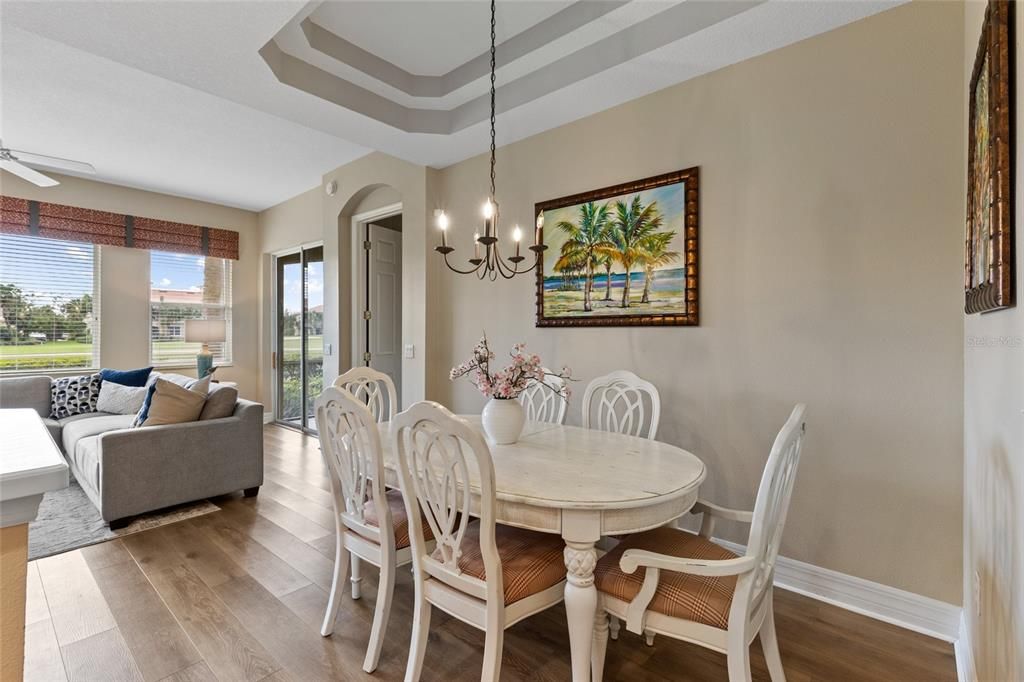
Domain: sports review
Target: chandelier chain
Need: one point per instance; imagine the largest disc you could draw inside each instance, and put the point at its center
(493, 62)
(490, 264)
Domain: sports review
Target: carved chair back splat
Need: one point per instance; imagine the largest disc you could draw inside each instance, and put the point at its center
(374, 389)
(624, 403)
(545, 403)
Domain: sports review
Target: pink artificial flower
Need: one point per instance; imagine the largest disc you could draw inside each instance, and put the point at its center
(510, 381)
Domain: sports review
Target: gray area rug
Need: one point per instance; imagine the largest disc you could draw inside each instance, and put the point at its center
(67, 520)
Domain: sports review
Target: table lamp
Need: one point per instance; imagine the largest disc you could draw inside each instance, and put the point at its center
(205, 332)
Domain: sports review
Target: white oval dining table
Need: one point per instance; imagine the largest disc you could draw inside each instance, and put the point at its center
(584, 484)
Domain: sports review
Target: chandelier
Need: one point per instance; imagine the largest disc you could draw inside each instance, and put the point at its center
(488, 262)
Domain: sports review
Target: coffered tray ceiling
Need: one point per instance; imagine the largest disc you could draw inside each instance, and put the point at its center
(249, 103)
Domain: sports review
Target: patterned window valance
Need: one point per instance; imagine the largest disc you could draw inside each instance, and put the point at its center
(54, 221)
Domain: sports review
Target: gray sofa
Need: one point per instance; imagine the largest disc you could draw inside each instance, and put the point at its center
(126, 472)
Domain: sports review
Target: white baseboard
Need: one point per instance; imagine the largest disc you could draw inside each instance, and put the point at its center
(906, 609)
(965, 671)
(268, 417)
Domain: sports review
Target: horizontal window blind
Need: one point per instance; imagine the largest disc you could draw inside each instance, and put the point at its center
(49, 304)
(187, 287)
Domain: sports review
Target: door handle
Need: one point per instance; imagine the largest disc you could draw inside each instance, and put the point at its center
(273, 360)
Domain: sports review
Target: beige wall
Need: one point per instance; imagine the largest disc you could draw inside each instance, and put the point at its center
(284, 226)
(830, 249)
(293, 222)
(831, 271)
(994, 446)
(360, 183)
(124, 293)
(369, 183)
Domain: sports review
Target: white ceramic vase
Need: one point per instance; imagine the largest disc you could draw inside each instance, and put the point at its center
(503, 420)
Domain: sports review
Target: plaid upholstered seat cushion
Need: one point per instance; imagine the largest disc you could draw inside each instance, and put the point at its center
(531, 562)
(399, 519)
(703, 599)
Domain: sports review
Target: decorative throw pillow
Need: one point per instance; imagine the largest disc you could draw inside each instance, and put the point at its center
(220, 402)
(119, 399)
(127, 377)
(173, 404)
(201, 385)
(179, 379)
(74, 395)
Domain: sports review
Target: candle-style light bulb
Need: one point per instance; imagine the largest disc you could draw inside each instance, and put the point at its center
(517, 236)
(476, 245)
(442, 224)
(540, 226)
(488, 212)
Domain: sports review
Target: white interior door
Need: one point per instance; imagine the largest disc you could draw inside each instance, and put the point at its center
(384, 297)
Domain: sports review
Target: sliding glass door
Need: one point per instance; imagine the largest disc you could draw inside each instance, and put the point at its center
(299, 349)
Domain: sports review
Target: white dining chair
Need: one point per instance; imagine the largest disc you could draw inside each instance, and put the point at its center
(485, 574)
(683, 585)
(624, 403)
(544, 402)
(375, 389)
(371, 523)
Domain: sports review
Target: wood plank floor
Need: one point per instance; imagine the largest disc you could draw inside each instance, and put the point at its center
(239, 595)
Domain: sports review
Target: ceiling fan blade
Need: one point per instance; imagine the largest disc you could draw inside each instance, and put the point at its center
(26, 173)
(54, 162)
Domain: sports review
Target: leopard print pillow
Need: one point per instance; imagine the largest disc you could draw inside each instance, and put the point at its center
(74, 395)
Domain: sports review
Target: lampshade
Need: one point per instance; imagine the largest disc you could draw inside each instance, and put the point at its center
(206, 331)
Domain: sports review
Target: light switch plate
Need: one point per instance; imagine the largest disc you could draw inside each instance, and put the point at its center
(410, 351)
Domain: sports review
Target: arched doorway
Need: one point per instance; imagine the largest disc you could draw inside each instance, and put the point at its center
(356, 188)
(369, 286)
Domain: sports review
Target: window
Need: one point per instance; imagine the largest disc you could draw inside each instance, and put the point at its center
(187, 287)
(49, 304)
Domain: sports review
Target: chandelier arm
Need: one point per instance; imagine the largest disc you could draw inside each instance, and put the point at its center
(487, 265)
(492, 265)
(532, 267)
(509, 271)
(504, 269)
(499, 262)
(460, 271)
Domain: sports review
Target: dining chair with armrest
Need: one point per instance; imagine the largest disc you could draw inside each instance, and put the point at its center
(683, 585)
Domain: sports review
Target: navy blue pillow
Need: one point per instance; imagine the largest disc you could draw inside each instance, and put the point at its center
(143, 413)
(126, 377)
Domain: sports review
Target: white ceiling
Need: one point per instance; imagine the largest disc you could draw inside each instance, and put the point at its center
(454, 31)
(175, 97)
(144, 131)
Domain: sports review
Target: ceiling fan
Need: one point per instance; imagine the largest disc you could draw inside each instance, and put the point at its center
(19, 163)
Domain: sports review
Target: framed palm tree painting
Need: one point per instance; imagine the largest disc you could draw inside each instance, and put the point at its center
(988, 262)
(621, 256)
